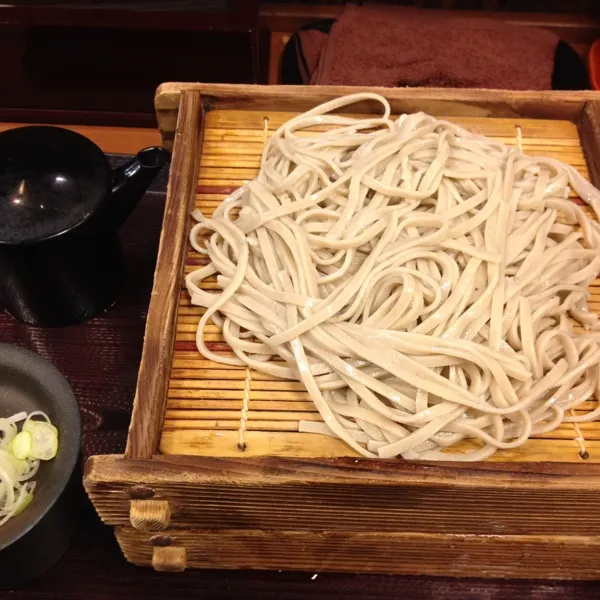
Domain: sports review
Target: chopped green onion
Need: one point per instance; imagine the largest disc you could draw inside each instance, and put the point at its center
(23, 501)
(21, 445)
(20, 456)
(44, 439)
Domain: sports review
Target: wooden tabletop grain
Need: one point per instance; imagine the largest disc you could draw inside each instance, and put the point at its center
(117, 140)
(94, 568)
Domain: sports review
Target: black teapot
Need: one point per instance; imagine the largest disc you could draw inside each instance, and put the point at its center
(61, 208)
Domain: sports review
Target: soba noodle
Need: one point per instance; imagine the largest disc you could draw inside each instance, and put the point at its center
(425, 284)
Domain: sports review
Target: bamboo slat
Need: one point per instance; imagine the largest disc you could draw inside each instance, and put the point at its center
(211, 407)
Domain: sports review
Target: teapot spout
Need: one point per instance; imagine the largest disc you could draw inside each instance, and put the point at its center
(130, 181)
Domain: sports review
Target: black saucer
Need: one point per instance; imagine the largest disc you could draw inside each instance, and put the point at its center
(35, 539)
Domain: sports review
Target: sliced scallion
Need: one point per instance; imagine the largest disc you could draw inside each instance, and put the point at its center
(20, 456)
(21, 445)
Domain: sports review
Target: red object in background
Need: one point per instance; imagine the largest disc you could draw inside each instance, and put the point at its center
(594, 65)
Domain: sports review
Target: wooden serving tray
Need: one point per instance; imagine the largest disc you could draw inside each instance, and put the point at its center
(216, 474)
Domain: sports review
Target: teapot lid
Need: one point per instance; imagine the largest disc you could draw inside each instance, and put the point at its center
(51, 181)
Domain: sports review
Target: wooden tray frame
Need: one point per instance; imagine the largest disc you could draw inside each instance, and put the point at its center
(527, 520)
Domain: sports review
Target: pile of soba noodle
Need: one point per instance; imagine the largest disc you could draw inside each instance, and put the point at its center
(427, 285)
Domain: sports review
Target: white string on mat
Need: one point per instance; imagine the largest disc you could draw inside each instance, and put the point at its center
(248, 379)
(245, 403)
(579, 438)
(427, 285)
(519, 138)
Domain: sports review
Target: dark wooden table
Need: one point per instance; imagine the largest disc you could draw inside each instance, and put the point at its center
(100, 359)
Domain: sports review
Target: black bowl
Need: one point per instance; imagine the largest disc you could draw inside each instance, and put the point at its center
(34, 540)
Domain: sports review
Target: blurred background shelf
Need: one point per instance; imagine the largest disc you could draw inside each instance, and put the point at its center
(180, 15)
(99, 61)
(103, 60)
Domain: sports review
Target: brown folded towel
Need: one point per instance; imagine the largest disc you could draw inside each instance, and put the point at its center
(400, 46)
(310, 45)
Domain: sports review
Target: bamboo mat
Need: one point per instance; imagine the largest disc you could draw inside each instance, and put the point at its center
(219, 410)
